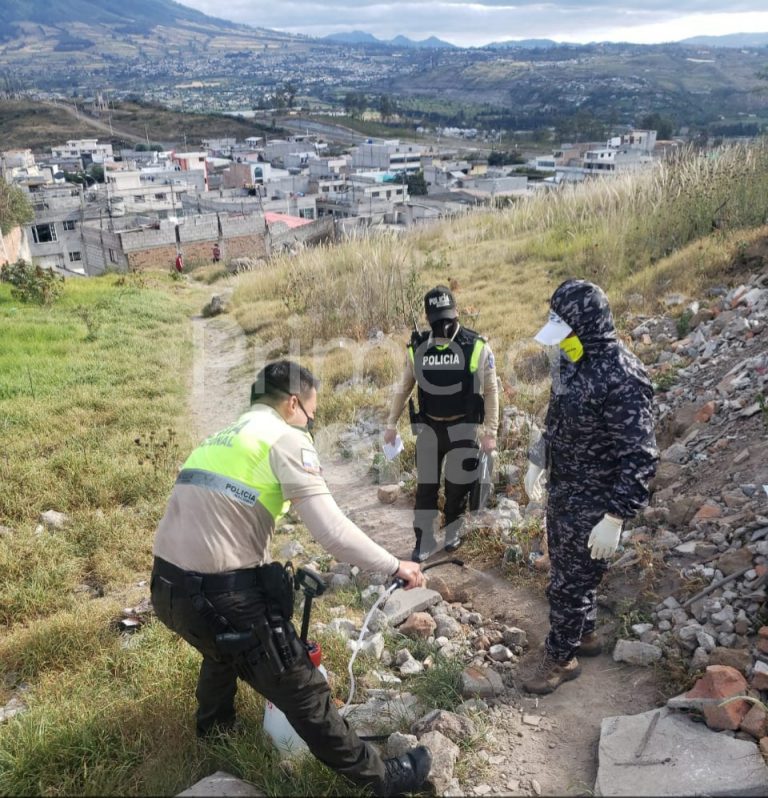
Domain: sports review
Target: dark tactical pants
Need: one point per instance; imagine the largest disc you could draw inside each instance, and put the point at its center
(300, 692)
(452, 444)
(573, 580)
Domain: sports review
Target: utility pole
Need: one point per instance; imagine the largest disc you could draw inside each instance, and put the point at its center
(82, 227)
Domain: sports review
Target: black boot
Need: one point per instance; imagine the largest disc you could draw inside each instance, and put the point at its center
(406, 773)
(417, 555)
(453, 537)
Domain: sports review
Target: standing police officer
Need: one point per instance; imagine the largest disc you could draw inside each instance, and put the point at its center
(455, 372)
(600, 450)
(213, 584)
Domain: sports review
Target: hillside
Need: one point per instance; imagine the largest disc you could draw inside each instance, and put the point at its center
(135, 14)
(179, 58)
(608, 81)
(38, 125)
(91, 37)
(98, 698)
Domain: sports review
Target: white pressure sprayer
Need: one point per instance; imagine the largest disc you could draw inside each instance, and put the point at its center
(276, 725)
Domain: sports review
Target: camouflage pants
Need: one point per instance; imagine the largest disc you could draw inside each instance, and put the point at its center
(574, 578)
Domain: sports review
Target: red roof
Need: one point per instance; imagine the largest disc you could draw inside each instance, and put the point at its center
(284, 218)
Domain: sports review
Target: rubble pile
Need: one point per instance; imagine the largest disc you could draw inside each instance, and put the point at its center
(412, 632)
(449, 630)
(708, 515)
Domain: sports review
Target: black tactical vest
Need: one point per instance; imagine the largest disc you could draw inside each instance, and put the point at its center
(446, 375)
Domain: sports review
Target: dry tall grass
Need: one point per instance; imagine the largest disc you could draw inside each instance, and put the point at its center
(672, 227)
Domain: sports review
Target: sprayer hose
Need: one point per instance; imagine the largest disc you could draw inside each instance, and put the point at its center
(391, 589)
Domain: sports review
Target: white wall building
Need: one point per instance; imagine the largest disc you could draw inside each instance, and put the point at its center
(83, 148)
(328, 167)
(388, 156)
(278, 149)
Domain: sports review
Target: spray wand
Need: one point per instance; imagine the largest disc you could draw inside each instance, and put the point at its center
(397, 583)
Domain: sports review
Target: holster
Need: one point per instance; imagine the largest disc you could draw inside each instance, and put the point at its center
(275, 630)
(476, 414)
(276, 584)
(271, 636)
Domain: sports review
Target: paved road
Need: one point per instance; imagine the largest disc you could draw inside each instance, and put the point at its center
(338, 133)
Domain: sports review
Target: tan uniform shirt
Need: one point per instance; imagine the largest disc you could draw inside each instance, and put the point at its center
(490, 389)
(212, 532)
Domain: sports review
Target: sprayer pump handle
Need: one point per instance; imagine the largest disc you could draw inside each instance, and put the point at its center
(310, 582)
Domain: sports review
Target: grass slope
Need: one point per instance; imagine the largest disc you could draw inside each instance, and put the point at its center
(640, 236)
(38, 126)
(108, 715)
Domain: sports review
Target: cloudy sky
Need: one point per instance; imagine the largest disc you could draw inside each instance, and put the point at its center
(480, 22)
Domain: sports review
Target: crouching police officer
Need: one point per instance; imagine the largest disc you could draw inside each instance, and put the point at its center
(458, 402)
(212, 582)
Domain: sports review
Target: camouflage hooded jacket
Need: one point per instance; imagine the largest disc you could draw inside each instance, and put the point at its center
(599, 430)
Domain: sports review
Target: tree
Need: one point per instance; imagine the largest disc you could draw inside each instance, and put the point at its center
(355, 102)
(502, 157)
(290, 94)
(417, 185)
(15, 208)
(663, 126)
(587, 126)
(96, 171)
(386, 106)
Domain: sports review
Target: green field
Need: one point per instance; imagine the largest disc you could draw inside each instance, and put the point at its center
(108, 714)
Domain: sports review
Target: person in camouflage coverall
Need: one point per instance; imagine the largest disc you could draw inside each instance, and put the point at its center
(599, 449)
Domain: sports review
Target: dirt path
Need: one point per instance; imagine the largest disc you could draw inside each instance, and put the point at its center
(561, 754)
(217, 395)
(92, 122)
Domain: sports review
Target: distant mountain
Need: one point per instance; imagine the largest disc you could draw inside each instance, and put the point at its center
(432, 41)
(524, 44)
(102, 32)
(361, 37)
(730, 40)
(137, 14)
(353, 37)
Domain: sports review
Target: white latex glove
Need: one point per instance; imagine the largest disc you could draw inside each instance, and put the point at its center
(604, 537)
(533, 482)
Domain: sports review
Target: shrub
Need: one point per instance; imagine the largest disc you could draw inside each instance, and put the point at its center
(32, 283)
(15, 208)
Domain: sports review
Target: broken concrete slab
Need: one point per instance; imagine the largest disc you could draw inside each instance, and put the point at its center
(634, 652)
(662, 752)
(481, 683)
(456, 728)
(403, 603)
(444, 756)
(222, 784)
(386, 710)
